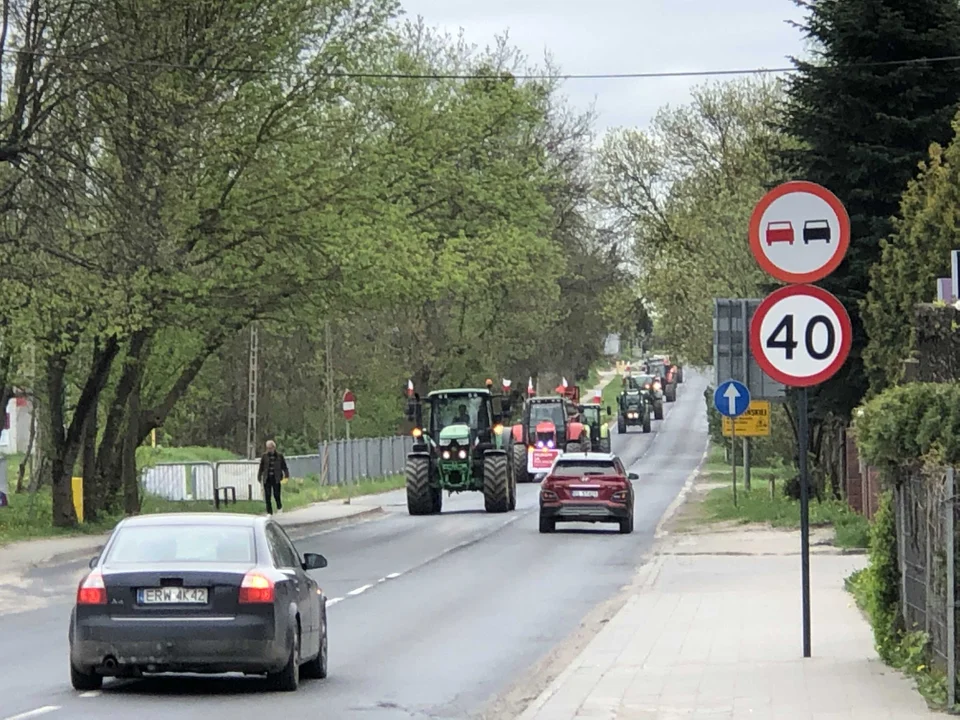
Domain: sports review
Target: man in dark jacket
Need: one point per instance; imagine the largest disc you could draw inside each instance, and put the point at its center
(273, 470)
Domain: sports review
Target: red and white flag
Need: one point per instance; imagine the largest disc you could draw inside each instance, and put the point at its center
(506, 385)
(564, 382)
(409, 388)
(530, 390)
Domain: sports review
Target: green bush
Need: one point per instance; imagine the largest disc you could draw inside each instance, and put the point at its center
(882, 581)
(909, 425)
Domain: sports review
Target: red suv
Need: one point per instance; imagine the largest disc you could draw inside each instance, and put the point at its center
(587, 487)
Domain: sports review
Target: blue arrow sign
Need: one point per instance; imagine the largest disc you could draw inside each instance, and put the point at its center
(731, 398)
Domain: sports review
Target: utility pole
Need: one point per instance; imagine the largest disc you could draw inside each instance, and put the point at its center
(252, 391)
(328, 355)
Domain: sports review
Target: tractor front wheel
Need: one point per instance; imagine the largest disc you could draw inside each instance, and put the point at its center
(496, 484)
(605, 444)
(646, 421)
(574, 447)
(421, 498)
(519, 453)
(658, 410)
(621, 425)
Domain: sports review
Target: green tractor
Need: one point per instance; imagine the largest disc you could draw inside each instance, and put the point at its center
(592, 414)
(459, 448)
(633, 408)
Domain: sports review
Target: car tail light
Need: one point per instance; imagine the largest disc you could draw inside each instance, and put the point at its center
(620, 496)
(92, 590)
(256, 588)
(548, 494)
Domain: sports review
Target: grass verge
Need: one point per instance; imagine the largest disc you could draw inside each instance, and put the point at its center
(775, 509)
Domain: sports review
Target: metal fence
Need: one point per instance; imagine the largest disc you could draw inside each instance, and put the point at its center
(341, 462)
(926, 513)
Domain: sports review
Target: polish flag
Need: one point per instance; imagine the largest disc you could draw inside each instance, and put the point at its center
(409, 388)
(530, 389)
(564, 382)
(506, 385)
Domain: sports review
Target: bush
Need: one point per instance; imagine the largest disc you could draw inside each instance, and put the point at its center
(877, 588)
(910, 425)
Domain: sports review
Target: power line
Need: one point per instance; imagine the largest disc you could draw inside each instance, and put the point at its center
(361, 75)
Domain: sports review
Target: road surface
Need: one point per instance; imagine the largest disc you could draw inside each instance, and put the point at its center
(430, 617)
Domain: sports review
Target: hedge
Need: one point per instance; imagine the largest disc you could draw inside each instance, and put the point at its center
(937, 341)
(911, 425)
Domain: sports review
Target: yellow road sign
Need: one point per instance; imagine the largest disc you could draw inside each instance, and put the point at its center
(755, 422)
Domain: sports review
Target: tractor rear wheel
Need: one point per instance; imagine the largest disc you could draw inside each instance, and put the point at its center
(671, 394)
(621, 425)
(519, 453)
(605, 444)
(421, 498)
(574, 447)
(658, 410)
(496, 484)
(646, 421)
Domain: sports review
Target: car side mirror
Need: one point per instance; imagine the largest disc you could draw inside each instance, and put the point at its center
(313, 561)
(93, 562)
(632, 476)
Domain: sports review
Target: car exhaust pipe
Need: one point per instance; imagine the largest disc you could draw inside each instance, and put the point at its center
(109, 663)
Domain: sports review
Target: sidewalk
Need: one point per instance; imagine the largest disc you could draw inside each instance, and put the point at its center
(715, 636)
(23, 555)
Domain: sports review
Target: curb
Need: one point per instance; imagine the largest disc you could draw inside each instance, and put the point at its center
(296, 530)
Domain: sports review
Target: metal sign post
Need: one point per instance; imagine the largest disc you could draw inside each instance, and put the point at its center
(732, 399)
(800, 334)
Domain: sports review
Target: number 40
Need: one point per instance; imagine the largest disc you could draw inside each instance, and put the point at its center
(782, 337)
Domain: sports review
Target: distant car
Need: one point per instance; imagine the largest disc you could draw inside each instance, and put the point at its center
(199, 593)
(587, 487)
(780, 231)
(816, 230)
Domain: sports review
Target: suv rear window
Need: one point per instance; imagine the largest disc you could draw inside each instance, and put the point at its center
(579, 468)
(160, 544)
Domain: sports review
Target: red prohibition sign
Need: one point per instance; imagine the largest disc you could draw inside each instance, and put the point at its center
(799, 232)
(800, 335)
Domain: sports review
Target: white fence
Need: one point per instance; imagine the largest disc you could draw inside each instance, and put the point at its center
(347, 462)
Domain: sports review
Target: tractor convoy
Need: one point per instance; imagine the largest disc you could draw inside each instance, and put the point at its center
(464, 442)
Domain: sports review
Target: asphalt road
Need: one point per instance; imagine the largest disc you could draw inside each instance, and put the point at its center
(430, 617)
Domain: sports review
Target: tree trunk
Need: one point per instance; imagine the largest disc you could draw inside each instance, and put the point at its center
(60, 461)
(92, 491)
(131, 481)
(22, 470)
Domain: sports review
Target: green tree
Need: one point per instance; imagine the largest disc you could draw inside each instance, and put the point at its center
(684, 189)
(863, 128)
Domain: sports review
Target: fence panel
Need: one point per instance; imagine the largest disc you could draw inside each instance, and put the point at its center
(180, 481)
(347, 462)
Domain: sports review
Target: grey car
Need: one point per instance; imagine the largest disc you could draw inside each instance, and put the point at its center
(199, 593)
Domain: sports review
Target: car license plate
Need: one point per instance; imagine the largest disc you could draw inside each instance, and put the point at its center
(172, 596)
(584, 493)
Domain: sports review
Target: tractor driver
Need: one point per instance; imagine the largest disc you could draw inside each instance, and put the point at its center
(462, 416)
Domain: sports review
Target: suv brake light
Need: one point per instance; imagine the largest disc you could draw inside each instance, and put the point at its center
(92, 590)
(256, 588)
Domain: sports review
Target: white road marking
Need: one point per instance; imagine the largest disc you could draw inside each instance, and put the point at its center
(362, 588)
(333, 601)
(90, 694)
(34, 713)
(391, 576)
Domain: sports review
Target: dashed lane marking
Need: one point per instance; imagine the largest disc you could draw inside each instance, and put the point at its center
(357, 591)
(91, 694)
(333, 601)
(34, 713)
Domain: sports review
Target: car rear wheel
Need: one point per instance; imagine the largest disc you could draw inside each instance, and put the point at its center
(288, 679)
(626, 525)
(547, 525)
(84, 682)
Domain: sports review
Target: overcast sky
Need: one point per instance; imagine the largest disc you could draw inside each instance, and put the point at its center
(617, 36)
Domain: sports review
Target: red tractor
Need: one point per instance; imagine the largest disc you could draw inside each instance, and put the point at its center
(549, 426)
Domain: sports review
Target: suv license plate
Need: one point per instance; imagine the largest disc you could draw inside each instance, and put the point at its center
(584, 493)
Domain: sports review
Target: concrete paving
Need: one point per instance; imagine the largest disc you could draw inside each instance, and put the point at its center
(708, 636)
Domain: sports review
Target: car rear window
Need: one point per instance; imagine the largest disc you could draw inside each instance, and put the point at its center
(578, 468)
(161, 544)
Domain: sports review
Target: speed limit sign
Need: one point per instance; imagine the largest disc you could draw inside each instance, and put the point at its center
(800, 335)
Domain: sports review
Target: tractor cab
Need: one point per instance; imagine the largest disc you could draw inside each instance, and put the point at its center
(592, 416)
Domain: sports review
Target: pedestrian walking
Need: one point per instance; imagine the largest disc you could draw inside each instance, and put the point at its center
(273, 471)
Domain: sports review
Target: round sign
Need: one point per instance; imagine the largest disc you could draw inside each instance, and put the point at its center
(349, 405)
(800, 335)
(799, 232)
